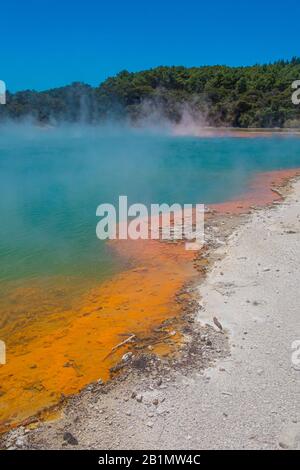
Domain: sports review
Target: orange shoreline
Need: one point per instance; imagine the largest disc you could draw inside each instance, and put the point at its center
(262, 191)
(59, 354)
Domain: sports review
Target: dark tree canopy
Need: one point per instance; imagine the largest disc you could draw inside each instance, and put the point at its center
(254, 96)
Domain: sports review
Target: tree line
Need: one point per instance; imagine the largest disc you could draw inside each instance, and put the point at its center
(252, 96)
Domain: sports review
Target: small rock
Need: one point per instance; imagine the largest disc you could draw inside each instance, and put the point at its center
(20, 442)
(283, 445)
(139, 398)
(217, 323)
(127, 357)
(70, 439)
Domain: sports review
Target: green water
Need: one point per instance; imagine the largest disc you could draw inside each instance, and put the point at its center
(52, 180)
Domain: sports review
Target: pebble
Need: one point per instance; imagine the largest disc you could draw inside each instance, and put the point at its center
(20, 442)
(127, 357)
(283, 445)
(70, 439)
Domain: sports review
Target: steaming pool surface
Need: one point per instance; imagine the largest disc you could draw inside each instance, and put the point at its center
(52, 180)
(64, 294)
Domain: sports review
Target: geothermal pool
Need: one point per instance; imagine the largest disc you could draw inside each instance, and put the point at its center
(52, 180)
(66, 296)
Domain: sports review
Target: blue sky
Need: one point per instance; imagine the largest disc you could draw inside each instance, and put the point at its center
(47, 43)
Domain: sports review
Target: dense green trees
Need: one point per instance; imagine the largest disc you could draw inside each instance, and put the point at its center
(255, 96)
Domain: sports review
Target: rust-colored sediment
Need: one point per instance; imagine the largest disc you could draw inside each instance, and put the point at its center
(262, 191)
(60, 352)
(53, 349)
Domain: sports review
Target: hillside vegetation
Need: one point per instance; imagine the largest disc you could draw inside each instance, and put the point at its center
(254, 96)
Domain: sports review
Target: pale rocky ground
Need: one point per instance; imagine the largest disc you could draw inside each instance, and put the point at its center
(250, 398)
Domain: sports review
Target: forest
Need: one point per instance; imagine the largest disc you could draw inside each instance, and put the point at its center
(253, 96)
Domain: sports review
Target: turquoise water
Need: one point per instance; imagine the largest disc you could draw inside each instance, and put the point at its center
(52, 180)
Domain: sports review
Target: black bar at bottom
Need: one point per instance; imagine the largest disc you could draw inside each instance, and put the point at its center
(132, 459)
